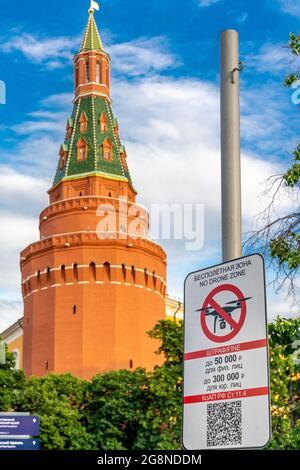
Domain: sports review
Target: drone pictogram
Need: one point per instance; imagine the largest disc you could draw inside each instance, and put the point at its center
(223, 315)
(229, 308)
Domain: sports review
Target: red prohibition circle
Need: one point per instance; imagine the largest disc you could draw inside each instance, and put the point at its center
(208, 303)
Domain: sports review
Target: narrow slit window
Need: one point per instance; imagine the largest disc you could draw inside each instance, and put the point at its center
(98, 72)
(87, 72)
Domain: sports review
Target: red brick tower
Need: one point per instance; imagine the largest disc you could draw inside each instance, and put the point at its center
(94, 283)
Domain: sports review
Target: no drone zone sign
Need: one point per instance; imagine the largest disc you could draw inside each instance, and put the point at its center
(226, 398)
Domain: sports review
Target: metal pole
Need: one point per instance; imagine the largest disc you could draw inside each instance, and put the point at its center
(230, 146)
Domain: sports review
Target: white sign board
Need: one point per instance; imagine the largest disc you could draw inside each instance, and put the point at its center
(226, 399)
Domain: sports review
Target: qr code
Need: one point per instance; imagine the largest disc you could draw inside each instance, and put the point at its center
(224, 424)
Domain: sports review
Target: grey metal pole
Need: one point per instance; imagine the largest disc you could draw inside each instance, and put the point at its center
(230, 146)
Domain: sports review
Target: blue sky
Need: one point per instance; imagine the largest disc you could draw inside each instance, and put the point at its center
(165, 69)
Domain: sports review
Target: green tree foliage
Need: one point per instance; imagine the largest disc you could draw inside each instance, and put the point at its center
(140, 410)
(279, 236)
(12, 383)
(58, 401)
(137, 409)
(115, 409)
(284, 337)
(164, 412)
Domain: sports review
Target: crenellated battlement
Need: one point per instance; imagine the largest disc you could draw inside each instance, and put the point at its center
(92, 203)
(93, 274)
(94, 214)
(90, 238)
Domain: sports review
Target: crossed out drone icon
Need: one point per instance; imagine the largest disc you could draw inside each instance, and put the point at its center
(210, 311)
(223, 314)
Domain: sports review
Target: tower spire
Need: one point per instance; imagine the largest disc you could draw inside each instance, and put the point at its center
(92, 146)
(91, 39)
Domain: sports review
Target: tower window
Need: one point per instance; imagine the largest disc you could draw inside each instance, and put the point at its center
(107, 150)
(98, 72)
(69, 128)
(82, 153)
(106, 267)
(93, 272)
(75, 272)
(82, 150)
(103, 123)
(87, 72)
(38, 278)
(48, 276)
(107, 154)
(63, 153)
(83, 126)
(63, 274)
(74, 309)
(154, 280)
(124, 272)
(83, 122)
(76, 77)
(133, 274)
(62, 162)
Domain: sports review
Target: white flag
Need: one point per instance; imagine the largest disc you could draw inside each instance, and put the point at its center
(95, 5)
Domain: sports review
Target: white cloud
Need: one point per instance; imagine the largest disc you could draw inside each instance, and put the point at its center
(291, 7)
(53, 52)
(21, 194)
(177, 144)
(10, 311)
(264, 127)
(207, 3)
(62, 100)
(142, 56)
(271, 58)
(138, 57)
(37, 154)
(17, 231)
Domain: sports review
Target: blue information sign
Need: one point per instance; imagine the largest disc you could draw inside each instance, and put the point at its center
(16, 425)
(22, 444)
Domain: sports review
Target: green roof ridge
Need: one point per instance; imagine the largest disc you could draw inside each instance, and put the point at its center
(91, 38)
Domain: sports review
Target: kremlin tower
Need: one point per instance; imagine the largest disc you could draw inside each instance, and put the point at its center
(94, 283)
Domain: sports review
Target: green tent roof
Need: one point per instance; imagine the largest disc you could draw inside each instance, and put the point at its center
(93, 107)
(91, 38)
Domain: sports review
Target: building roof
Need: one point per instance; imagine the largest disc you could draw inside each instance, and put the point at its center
(12, 330)
(93, 107)
(91, 39)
